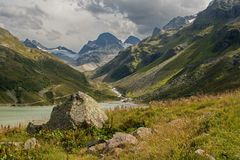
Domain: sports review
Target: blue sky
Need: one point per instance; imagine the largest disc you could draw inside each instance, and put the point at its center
(73, 22)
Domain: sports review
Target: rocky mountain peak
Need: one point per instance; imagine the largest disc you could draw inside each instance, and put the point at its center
(106, 39)
(33, 44)
(179, 22)
(218, 10)
(223, 3)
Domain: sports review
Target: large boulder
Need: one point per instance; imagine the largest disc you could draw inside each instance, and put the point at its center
(80, 111)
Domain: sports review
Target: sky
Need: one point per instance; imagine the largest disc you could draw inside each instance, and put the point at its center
(72, 23)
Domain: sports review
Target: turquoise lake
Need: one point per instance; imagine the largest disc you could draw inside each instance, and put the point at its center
(14, 116)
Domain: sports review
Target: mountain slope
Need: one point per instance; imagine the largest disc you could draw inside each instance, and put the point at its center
(30, 76)
(203, 57)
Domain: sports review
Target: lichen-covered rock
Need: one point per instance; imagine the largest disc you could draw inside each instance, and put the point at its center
(120, 140)
(31, 144)
(80, 111)
(142, 132)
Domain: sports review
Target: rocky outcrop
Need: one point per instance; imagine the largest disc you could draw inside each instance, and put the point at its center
(119, 141)
(218, 10)
(226, 38)
(80, 111)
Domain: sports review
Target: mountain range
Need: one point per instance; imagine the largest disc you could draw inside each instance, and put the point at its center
(201, 57)
(92, 55)
(188, 56)
(61, 52)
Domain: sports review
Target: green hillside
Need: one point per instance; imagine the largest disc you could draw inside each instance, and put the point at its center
(200, 58)
(29, 76)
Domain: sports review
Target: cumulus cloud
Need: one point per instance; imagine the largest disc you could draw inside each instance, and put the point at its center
(144, 13)
(73, 22)
(18, 16)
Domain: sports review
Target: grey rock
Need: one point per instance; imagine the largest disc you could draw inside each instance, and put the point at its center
(114, 145)
(120, 140)
(32, 128)
(80, 111)
(143, 132)
(97, 149)
(31, 144)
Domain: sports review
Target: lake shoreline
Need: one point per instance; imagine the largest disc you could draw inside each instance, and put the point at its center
(15, 115)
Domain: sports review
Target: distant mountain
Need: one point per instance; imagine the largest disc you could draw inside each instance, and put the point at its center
(105, 40)
(203, 57)
(93, 55)
(102, 50)
(132, 40)
(33, 44)
(179, 22)
(63, 53)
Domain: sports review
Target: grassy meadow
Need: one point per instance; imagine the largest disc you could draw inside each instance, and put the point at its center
(207, 122)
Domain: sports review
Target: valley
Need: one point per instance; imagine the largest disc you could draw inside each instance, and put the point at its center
(174, 93)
